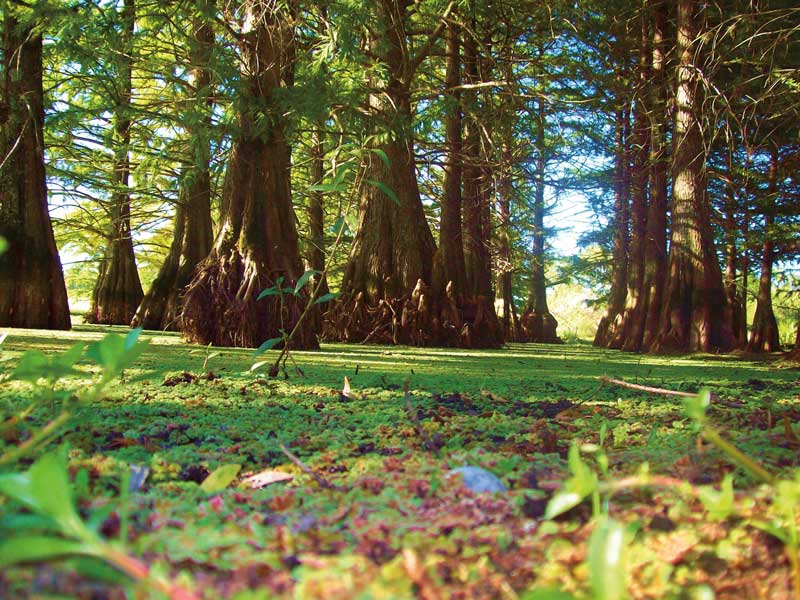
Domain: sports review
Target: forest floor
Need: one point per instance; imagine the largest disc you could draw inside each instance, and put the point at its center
(382, 516)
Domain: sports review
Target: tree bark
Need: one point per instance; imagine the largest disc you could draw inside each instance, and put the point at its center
(477, 178)
(118, 291)
(694, 316)
(510, 320)
(538, 325)
(256, 247)
(387, 296)
(192, 234)
(655, 248)
(621, 226)
(451, 243)
(316, 213)
(764, 335)
(628, 336)
(32, 290)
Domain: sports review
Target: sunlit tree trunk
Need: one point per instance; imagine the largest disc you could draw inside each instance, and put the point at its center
(764, 335)
(192, 232)
(621, 227)
(538, 325)
(316, 212)
(655, 247)
(32, 290)
(451, 243)
(695, 311)
(510, 320)
(257, 244)
(118, 290)
(477, 177)
(628, 335)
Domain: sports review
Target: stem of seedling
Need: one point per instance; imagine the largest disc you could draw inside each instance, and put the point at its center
(313, 296)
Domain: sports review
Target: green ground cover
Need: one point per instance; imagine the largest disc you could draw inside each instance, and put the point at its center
(381, 517)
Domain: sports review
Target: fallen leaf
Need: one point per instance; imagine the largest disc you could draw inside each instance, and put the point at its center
(265, 478)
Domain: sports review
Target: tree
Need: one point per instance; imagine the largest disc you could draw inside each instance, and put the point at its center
(695, 310)
(256, 247)
(118, 290)
(32, 290)
(386, 289)
(192, 234)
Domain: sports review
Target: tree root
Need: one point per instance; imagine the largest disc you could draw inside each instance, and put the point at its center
(417, 319)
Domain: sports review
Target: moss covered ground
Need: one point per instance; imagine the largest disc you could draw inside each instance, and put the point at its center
(380, 517)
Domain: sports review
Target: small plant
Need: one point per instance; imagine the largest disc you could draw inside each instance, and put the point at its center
(40, 517)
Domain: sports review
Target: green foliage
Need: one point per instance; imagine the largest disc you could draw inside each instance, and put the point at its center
(610, 446)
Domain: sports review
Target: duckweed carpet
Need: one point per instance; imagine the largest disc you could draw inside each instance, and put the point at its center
(337, 483)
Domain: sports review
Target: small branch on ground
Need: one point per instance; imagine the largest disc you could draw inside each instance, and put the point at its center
(664, 392)
(313, 474)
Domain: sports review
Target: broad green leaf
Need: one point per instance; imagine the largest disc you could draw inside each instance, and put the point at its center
(130, 339)
(44, 489)
(32, 367)
(326, 298)
(220, 478)
(268, 345)
(561, 502)
(606, 560)
(696, 405)
(338, 225)
(115, 353)
(385, 189)
(270, 291)
(719, 504)
(304, 280)
(382, 155)
(258, 365)
(342, 171)
(3, 245)
(38, 548)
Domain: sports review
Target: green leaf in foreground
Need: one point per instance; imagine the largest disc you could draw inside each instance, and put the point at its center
(327, 297)
(268, 345)
(115, 353)
(220, 478)
(719, 504)
(607, 568)
(304, 280)
(26, 548)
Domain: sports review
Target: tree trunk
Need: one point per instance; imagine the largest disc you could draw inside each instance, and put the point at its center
(256, 247)
(694, 315)
(32, 290)
(655, 248)
(118, 291)
(764, 335)
(621, 225)
(510, 320)
(451, 244)
(732, 260)
(192, 235)
(387, 295)
(316, 214)
(477, 177)
(628, 336)
(538, 325)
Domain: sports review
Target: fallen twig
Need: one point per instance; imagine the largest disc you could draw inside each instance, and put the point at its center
(666, 392)
(312, 473)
